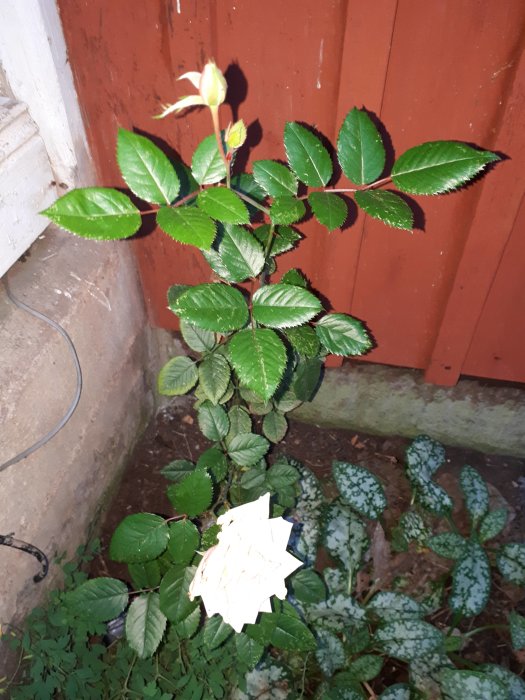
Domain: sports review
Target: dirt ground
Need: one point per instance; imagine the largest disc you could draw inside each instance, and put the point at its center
(175, 435)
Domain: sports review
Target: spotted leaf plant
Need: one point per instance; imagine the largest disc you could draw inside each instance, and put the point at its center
(254, 356)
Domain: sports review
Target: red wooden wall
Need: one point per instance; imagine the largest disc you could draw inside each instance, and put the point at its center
(447, 299)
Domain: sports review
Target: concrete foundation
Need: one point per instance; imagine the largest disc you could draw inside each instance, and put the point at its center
(53, 497)
(391, 401)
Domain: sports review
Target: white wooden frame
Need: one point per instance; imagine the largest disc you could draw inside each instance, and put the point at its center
(43, 148)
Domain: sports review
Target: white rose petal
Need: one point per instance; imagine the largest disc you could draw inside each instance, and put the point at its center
(237, 577)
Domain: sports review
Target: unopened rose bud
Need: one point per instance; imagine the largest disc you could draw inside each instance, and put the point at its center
(212, 85)
(235, 135)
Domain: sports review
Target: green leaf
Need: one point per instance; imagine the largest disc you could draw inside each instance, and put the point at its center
(286, 210)
(291, 634)
(307, 378)
(249, 652)
(215, 462)
(343, 335)
(146, 169)
(274, 178)
(359, 489)
(517, 630)
(284, 305)
(282, 474)
(511, 562)
(424, 457)
(284, 238)
(193, 495)
(216, 631)
(224, 205)
(399, 691)
(214, 306)
(145, 625)
(99, 599)
(187, 225)
(438, 166)
(308, 586)
(307, 156)
(178, 469)
(514, 685)
(274, 426)
(329, 209)
(236, 255)
(360, 148)
(293, 276)
(139, 537)
(254, 480)
(174, 598)
(95, 212)
(366, 667)
(449, 545)
(408, 639)
(391, 606)
(434, 498)
(214, 376)
(184, 541)
(196, 338)
(476, 493)
(330, 652)
(145, 574)
(470, 684)
(286, 401)
(247, 448)
(207, 166)
(259, 358)
(186, 628)
(344, 535)
(174, 293)
(470, 581)
(492, 524)
(246, 184)
(210, 537)
(388, 207)
(240, 421)
(303, 339)
(178, 376)
(213, 421)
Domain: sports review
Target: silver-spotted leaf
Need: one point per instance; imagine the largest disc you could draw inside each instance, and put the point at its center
(470, 581)
(178, 376)
(359, 489)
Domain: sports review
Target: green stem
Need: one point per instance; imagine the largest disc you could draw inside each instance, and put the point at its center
(454, 623)
(253, 202)
(452, 524)
(217, 130)
(485, 627)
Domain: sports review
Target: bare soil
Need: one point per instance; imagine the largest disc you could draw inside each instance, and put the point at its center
(174, 434)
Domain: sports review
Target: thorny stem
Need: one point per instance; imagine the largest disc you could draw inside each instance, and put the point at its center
(217, 129)
(371, 186)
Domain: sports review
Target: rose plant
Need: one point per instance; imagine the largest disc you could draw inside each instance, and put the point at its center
(253, 357)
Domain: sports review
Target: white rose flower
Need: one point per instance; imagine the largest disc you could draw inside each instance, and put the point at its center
(237, 577)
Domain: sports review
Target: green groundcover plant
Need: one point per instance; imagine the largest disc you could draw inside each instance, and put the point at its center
(255, 356)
